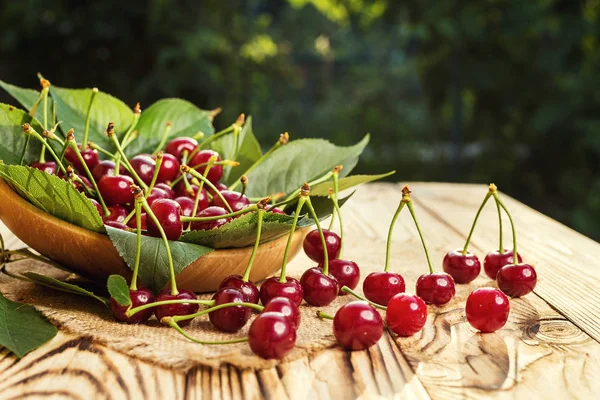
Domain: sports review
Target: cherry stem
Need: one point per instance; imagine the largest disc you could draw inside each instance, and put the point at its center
(212, 138)
(414, 217)
(501, 246)
(336, 205)
(254, 306)
(246, 210)
(358, 296)
(174, 325)
(209, 165)
(44, 96)
(322, 179)
(324, 315)
(196, 167)
(122, 155)
(208, 183)
(260, 214)
(466, 247)
(129, 136)
(314, 216)
(282, 276)
(136, 310)
(163, 139)
(88, 118)
(129, 216)
(159, 160)
(389, 238)
(102, 150)
(22, 159)
(512, 227)
(138, 244)
(25, 252)
(28, 129)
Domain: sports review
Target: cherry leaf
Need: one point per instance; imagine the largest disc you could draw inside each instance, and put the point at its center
(62, 286)
(322, 189)
(27, 98)
(118, 289)
(12, 137)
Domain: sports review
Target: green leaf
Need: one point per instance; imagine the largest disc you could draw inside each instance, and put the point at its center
(248, 152)
(301, 161)
(322, 189)
(72, 106)
(53, 195)
(186, 120)
(154, 265)
(118, 289)
(12, 138)
(56, 284)
(22, 327)
(26, 97)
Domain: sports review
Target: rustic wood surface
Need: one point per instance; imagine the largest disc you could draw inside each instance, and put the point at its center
(549, 348)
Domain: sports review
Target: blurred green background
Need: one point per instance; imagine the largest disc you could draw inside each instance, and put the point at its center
(470, 91)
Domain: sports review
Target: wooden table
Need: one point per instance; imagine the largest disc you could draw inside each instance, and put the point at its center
(549, 349)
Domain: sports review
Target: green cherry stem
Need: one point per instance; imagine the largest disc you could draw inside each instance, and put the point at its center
(487, 197)
(173, 324)
(136, 310)
(322, 179)
(110, 132)
(501, 246)
(131, 134)
(159, 159)
(254, 306)
(138, 243)
(282, 276)
(314, 216)
(409, 203)
(324, 315)
(22, 159)
(259, 219)
(102, 150)
(336, 205)
(44, 96)
(358, 296)
(186, 169)
(164, 138)
(88, 118)
(389, 237)
(228, 163)
(209, 165)
(72, 176)
(236, 125)
(512, 227)
(30, 131)
(246, 210)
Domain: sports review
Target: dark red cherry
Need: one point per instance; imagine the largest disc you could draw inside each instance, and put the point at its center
(249, 289)
(236, 201)
(220, 187)
(138, 298)
(210, 212)
(357, 325)
(487, 309)
(168, 214)
(48, 167)
(291, 288)
(171, 310)
(202, 157)
(380, 287)
(275, 210)
(494, 261)
(346, 272)
(117, 214)
(98, 207)
(178, 145)
(230, 319)
(116, 224)
(144, 167)
(116, 189)
(133, 224)
(106, 167)
(517, 280)
(181, 191)
(436, 288)
(156, 194)
(463, 268)
(271, 335)
(187, 206)
(167, 189)
(318, 289)
(286, 307)
(169, 168)
(313, 247)
(77, 184)
(90, 156)
(406, 314)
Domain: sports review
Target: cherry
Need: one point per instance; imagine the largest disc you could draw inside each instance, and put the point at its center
(406, 314)
(133, 224)
(116, 224)
(166, 188)
(156, 194)
(168, 213)
(437, 288)
(216, 171)
(203, 202)
(236, 201)
(138, 298)
(77, 185)
(90, 156)
(275, 210)
(170, 310)
(249, 289)
(271, 335)
(286, 307)
(181, 191)
(210, 212)
(169, 168)
(487, 309)
(144, 167)
(291, 288)
(357, 325)
(380, 287)
(463, 268)
(220, 187)
(178, 145)
(495, 260)
(98, 207)
(187, 206)
(48, 167)
(230, 319)
(517, 280)
(346, 272)
(117, 214)
(313, 247)
(318, 289)
(105, 167)
(116, 189)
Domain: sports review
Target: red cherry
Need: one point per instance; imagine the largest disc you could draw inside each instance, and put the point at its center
(346, 272)
(133, 224)
(187, 206)
(230, 319)
(220, 187)
(249, 289)
(138, 298)
(517, 280)
(77, 185)
(286, 307)
(171, 310)
(90, 156)
(271, 335)
(116, 189)
(318, 289)
(236, 201)
(156, 194)
(180, 190)
(48, 167)
(98, 207)
(106, 167)
(116, 224)
(357, 325)
(487, 309)
(313, 247)
(494, 261)
(178, 145)
(275, 210)
(463, 268)
(144, 167)
(380, 287)
(291, 288)
(168, 214)
(436, 288)
(406, 314)
(167, 189)
(210, 212)
(117, 214)
(169, 168)
(202, 157)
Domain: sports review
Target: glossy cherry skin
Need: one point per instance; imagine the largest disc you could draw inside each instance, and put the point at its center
(291, 288)
(201, 157)
(144, 167)
(106, 167)
(210, 212)
(380, 287)
(171, 310)
(357, 325)
(517, 280)
(48, 167)
(271, 335)
(285, 306)
(494, 261)
(220, 187)
(236, 201)
(313, 247)
(319, 289)
(98, 207)
(487, 309)
(230, 319)
(89, 155)
(168, 213)
(463, 268)
(138, 298)
(116, 189)
(116, 224)
(132, 223)
(346, 272)
(77, 185)
(248, 289)
(406, 314)
(187, 206)
(437, 288)
(117, 214)
(169, 168)
(167, 189)
(156, 194)
(178, 145)
(181, 191)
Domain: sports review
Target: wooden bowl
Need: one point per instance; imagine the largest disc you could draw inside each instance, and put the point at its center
(92, 254)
